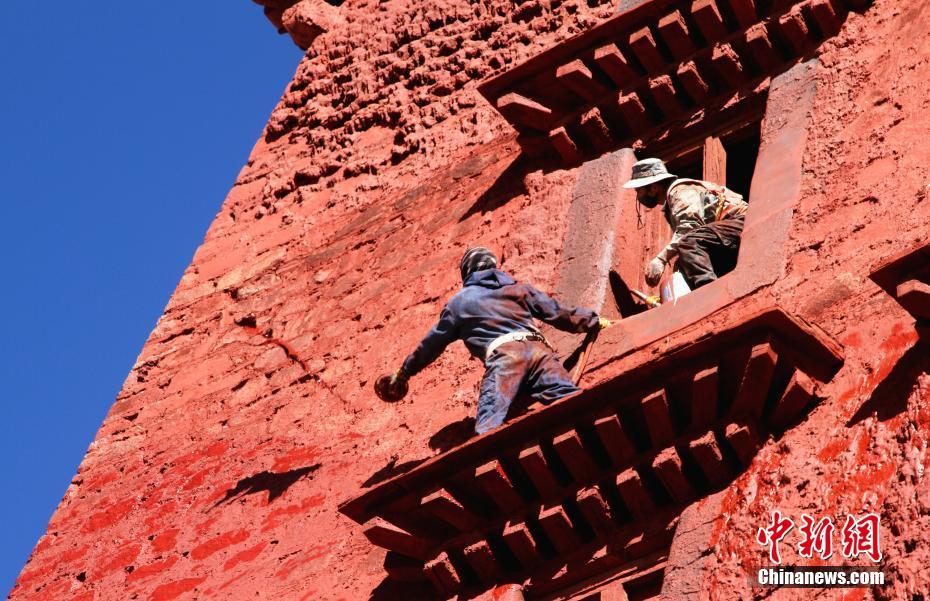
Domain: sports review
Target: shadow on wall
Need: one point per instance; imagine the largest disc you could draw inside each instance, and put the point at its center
(390, 470)
(508, 185)
(276, 484)
(889, 398)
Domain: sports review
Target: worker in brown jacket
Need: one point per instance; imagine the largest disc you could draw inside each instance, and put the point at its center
(707, 222)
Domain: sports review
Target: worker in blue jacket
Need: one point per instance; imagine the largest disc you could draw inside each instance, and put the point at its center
(494, 315)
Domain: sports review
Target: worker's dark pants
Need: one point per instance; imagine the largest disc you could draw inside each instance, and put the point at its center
(521, 366)
(709, 251)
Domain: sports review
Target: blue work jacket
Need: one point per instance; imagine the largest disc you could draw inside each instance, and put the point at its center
(490, 305)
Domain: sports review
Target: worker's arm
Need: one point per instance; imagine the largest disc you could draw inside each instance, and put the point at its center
(444, 332)
(569, 319)
(686, 205)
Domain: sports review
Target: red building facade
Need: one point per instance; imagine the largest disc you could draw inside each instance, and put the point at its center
(247, 457)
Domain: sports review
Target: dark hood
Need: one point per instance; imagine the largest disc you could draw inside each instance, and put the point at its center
(490, 278)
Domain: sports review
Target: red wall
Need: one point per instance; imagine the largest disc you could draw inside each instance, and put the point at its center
(249, 414)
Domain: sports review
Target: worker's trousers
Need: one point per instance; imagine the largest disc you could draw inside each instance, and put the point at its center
(710, 251)
(525, 366)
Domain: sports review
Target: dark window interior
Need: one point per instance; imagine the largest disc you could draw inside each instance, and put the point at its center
(742, 148)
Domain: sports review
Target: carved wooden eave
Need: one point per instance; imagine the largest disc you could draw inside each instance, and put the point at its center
(594, 483)
(658, 73)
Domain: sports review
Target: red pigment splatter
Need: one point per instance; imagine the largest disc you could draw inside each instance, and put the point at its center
(297, 458)
(245, 556)
(151, 569)
(109, 516)
(175, 589)
(274, 518)
(218, 544)
(165, 541)
(120, 560)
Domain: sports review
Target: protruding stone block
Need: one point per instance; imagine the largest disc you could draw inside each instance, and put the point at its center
(403, 568)
(524, 111)
(615, 441)
(727, 64)
(658, 419)
(596, 130)
(441, 505)
(576, 458)
(757, 38)
(634, 494)
(750, 399)
(482, 561)
(829, 16)
(914, 296)
(794, 29)
(706, 453)
(614, 64)
(558, 529)
(663, 92)
(443, 574)
(537, 468)
(654, 537)
(644, 47)
(492, 479)
(693, 82)
(534, 144)
(709, 20)
(565, 146)
(667, 466)
(578, 78)
(796, 398)
(674, 30)
(406, 513)
(397, 540)
(634, 113)
(518, 539)
(704, 398)
(595, 511)
(744, 440)
(468, 492)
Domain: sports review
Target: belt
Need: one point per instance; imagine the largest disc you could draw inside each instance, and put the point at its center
(513, 337)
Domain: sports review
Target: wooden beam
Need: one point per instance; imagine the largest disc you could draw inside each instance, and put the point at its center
(715, 161)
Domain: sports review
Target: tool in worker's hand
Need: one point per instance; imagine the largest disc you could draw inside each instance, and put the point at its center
(589, 339)
(603, 323)
(391, 388)
(651, 301)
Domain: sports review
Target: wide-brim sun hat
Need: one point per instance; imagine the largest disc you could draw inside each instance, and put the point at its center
(647, 171)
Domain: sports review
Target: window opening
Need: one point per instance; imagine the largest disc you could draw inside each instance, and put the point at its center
(738, 148)
(725, 156)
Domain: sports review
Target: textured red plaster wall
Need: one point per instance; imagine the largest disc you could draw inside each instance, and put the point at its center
(864, 447)
(249, 414)
(866, 178)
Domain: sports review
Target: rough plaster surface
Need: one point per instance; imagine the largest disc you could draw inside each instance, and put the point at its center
(249, 414)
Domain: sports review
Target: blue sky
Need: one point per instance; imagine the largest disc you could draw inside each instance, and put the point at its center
(122, 127)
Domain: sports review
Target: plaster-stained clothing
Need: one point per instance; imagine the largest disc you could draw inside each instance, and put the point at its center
(528, 366)
(491, 305)
(710, 250)
(692, 203)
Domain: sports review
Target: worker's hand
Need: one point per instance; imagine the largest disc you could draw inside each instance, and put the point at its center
(604, 323)
(392, 387)
(654, 271)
